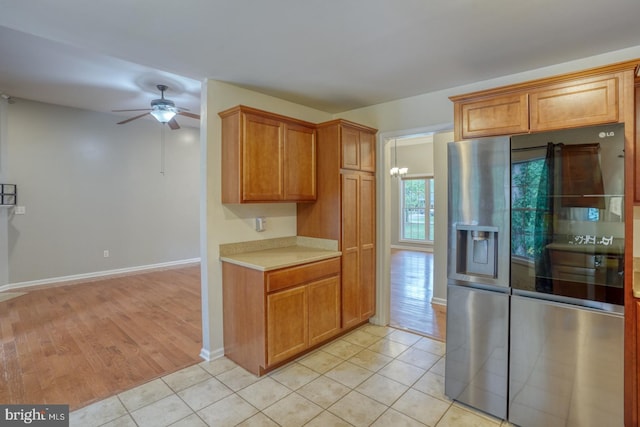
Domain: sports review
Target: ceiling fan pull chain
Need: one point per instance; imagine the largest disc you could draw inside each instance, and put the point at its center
(162, 149)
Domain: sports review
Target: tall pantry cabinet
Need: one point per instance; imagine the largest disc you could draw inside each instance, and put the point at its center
(345, 211)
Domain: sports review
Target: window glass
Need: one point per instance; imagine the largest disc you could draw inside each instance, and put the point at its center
(417, 209)
(525, 178)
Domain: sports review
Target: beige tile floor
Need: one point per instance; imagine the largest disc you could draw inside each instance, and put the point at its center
(374, 376)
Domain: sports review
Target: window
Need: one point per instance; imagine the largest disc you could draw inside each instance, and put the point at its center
(416, 201)
(525, 178)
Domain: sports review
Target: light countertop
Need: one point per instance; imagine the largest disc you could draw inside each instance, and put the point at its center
(272, 254)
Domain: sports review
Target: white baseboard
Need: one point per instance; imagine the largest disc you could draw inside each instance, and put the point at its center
(439, 301)
(101, 274)
(211, 355)
(413, 248)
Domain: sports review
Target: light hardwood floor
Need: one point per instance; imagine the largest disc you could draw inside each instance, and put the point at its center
(78, 343)
(411, 294)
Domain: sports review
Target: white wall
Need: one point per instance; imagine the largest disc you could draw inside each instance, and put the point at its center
(89, 185)
(4, 212)
(434, 108)
(441, 201)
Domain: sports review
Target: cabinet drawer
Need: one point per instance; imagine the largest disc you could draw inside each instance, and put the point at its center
(293, 276)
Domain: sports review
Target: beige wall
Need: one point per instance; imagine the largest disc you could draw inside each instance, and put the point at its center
(234, 223)
(89, 185)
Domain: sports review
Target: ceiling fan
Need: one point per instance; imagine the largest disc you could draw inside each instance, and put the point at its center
(164, 110)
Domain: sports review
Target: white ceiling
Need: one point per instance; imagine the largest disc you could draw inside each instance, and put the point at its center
(334, 55)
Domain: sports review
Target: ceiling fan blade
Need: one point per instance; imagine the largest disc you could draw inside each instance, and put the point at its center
(132, 118)
(173, 124)
(139, 109)
(193, 116)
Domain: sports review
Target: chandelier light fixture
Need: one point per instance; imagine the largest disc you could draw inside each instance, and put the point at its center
(395, 170)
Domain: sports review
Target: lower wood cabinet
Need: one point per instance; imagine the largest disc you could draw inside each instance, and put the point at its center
(287, 324)
(272, 317)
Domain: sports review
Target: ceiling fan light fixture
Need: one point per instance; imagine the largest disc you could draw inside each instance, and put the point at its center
(163, 113)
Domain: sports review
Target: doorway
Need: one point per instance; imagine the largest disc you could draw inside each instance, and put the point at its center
(411, 292)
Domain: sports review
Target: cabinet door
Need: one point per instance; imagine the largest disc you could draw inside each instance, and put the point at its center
(632, 364)
(367, 227)
(299, 163)
(584, 103)
(350, 142)
(287, 324)
(262, 155)
(501, 115)
(324, 309)
(350, 251)
(367, 152)
(637, 145)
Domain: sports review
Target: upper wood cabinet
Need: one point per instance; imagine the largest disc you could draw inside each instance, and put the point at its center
(584, 102)
(267, 157)
(501, 115)
(573, 100)
(636, 165)
(358, 145)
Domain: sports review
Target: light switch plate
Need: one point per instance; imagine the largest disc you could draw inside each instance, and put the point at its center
(20, 210)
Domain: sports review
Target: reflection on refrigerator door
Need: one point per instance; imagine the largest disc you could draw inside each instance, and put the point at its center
(477, 330)
(566, 365)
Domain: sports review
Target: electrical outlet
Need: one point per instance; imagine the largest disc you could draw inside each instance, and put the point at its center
(106, 253)
(20, 210)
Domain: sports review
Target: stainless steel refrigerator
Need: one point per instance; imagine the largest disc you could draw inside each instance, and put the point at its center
(535, 276)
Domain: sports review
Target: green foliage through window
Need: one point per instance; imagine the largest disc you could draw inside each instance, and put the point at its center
(417, 214)
(525, 178)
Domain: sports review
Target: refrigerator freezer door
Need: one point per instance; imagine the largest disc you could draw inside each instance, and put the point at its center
(566, 365)
(477, 345)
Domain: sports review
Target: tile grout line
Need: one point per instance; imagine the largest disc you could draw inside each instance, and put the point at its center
(342, 360)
